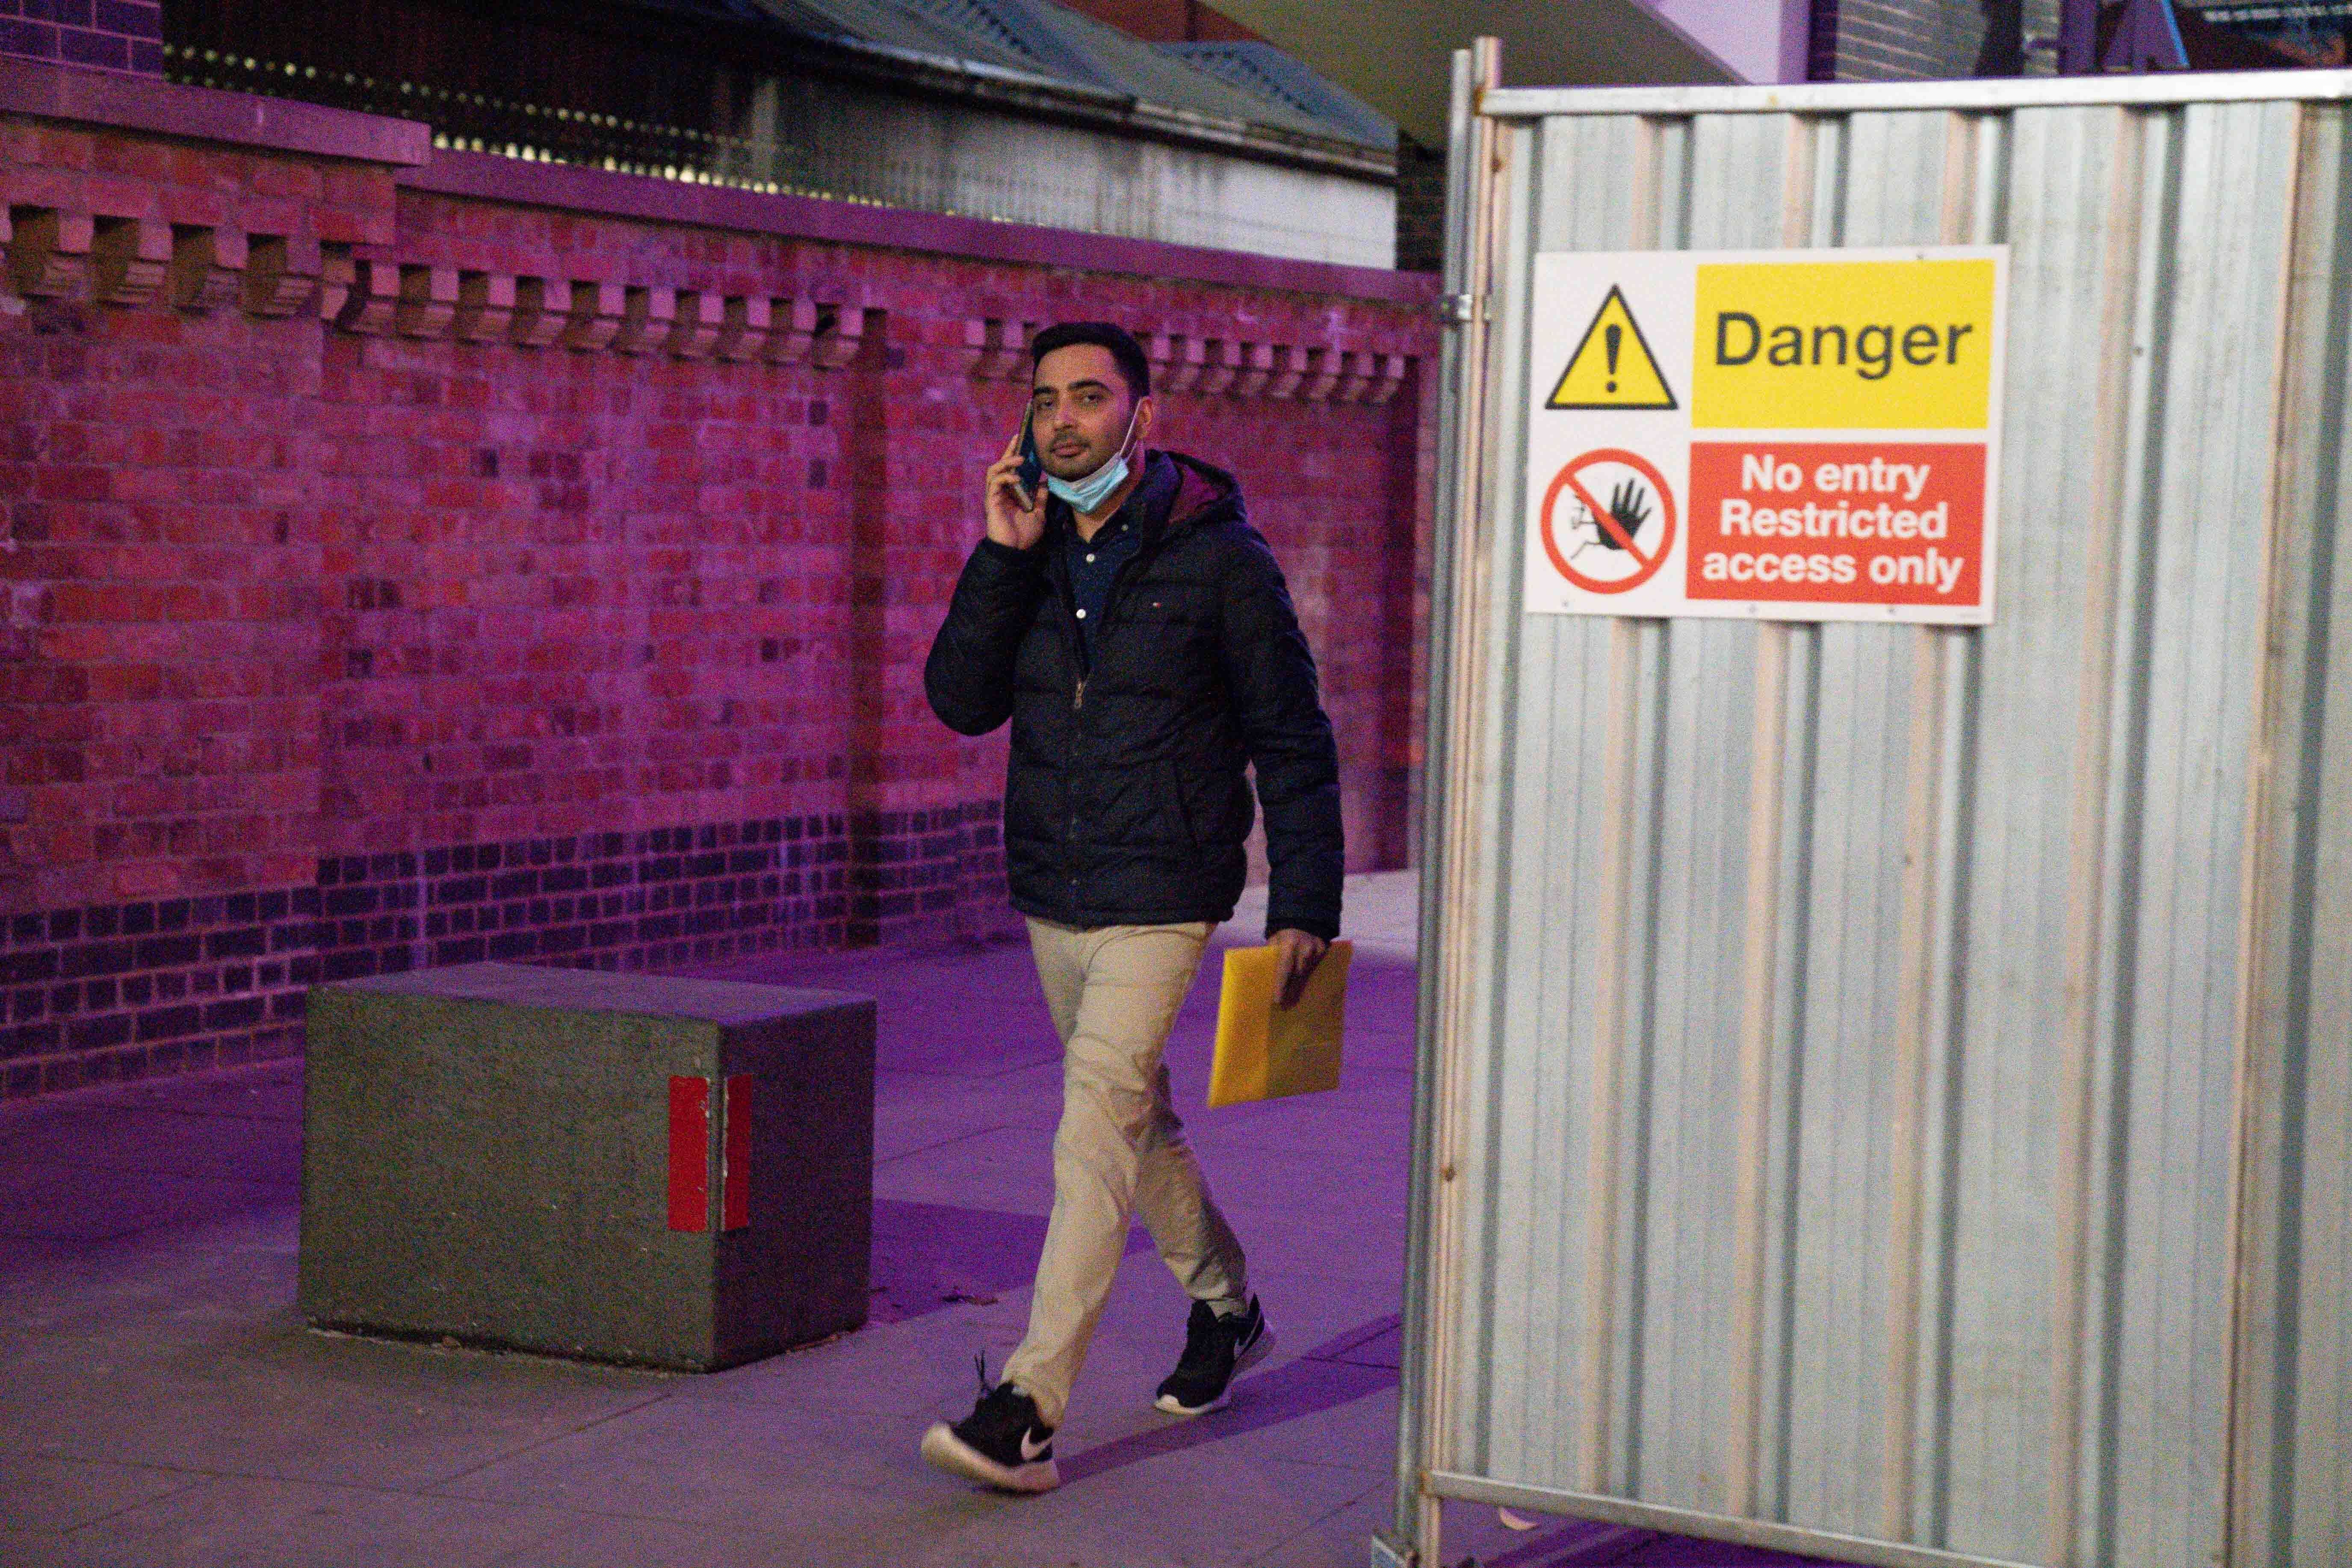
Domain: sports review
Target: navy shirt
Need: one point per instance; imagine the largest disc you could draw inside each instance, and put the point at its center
(1093, 562)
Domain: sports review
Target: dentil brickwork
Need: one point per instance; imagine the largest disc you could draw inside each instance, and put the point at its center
(410, 557)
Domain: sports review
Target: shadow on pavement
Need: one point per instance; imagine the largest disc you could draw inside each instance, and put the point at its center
(1319, 1381)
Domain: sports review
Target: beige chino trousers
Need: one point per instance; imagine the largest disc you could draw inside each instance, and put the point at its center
(1119, 1150)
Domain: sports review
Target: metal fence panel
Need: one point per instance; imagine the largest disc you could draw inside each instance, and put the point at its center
(1889, 1085)
(1991, 1409)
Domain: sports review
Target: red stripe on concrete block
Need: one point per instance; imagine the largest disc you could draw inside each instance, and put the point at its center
(735, 1167)
(689, 1153)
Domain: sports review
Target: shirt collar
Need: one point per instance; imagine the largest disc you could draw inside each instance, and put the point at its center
(1148, 501)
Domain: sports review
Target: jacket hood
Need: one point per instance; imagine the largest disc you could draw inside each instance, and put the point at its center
(1199, 488)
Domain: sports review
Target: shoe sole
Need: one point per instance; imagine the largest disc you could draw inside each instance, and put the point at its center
(1241, 1363)
(943, 1449)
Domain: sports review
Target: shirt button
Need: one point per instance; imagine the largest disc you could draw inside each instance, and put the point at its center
(1082, 615)
(1090, 558)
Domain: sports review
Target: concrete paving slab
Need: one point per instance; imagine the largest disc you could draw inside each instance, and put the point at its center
(45, 1496)
(269, 1091)
(287, 1524)
(162, 1405)
(1309, 1307)
(930, 1256)
(1338, 1539)
(1188, 1507)
(141, 1138)
(81, 1283)
(1277, 1416)
(962, 1013)
(920, 1368)
(164, 1359)
(1031, 1093)
(775, 1469)
(610, 1540)
(69, 1203)
(291, 1428)
(141, 1307)
(1005, 1170)
(1352, 1133)
(1354, 1412)
(903, 1129)
(1373, 1253)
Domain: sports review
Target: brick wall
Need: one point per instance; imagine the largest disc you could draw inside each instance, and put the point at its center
(103, 35)
(1421, 206)
(1905, 41)
(412, 558)
(1915, 40)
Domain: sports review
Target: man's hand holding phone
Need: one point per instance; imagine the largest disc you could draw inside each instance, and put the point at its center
(1015, 511)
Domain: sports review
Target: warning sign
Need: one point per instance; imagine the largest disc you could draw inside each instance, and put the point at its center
(1612, 546)
(1612, 367)
(1843, 524)
(1838, 457)
(1844, 345)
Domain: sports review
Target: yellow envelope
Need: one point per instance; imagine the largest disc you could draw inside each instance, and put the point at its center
(1265, 1052)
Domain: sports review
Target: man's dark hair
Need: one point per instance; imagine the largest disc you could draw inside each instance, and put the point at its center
(1133, 368)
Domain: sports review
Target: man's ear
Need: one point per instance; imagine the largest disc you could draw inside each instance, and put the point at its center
(1146, 412)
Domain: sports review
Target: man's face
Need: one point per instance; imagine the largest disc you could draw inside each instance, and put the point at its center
(1078, 410)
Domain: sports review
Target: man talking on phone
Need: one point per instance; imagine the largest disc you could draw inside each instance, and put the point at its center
(1136, 630)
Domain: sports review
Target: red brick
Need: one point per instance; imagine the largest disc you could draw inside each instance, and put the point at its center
(277, 604)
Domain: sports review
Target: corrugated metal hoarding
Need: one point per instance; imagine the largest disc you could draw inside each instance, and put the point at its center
(1887, 1088)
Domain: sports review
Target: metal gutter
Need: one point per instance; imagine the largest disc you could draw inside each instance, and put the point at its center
(1984, 94)
(1004, 87)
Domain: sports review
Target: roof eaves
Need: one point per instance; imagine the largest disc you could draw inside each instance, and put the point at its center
(1265, 72)
(1008, 87)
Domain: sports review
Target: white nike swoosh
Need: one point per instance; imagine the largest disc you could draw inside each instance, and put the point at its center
(1032, 1452)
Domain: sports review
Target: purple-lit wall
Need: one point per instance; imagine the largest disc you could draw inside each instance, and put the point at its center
(1763, 40)
(101, 34)
(415, 557)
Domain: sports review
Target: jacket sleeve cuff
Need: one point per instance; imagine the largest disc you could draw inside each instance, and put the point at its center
(1006, 555)
(1328, 930)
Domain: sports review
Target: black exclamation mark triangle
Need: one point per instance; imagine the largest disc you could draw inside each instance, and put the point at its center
(1613, 366)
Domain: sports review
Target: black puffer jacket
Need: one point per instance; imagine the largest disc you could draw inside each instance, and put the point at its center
(1124, 800)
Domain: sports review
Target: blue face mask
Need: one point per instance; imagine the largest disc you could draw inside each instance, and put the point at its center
(1085, 495)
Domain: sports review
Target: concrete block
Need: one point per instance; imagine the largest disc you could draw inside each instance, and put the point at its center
(642, 1169)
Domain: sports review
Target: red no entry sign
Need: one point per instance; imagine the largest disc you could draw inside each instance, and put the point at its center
(1624, 535)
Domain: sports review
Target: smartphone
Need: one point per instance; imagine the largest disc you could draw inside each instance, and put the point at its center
(1032, 473)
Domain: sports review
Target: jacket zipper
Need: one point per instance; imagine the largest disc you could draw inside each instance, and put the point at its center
(1076, 640)
(1127, 567)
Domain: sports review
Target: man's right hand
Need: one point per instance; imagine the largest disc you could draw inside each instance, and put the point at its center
(1015, 518)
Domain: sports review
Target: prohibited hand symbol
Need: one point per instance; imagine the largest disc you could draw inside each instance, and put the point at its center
(1610, 548)
(1628, 509)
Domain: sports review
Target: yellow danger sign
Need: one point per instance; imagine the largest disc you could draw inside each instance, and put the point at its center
(1612, 367)
(1843, 344)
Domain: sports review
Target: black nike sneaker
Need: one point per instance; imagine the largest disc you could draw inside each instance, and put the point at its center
(1215, 1349)
(1000, 1444)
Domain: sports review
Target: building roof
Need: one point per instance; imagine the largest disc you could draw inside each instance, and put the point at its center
(1052, 43)
(1396, 54)
(1262, 68)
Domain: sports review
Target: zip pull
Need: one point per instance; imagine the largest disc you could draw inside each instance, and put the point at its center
(1078, 696)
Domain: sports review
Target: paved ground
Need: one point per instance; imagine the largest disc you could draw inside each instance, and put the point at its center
(160, 1404)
